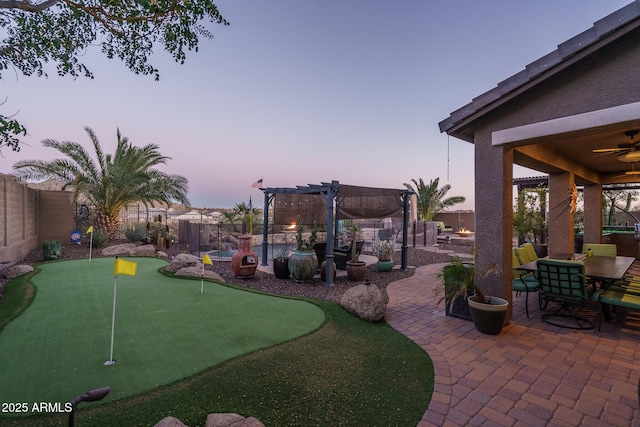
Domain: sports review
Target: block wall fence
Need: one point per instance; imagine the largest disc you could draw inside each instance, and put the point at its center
(28, 217)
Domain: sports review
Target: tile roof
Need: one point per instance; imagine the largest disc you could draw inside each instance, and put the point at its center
(605, 30)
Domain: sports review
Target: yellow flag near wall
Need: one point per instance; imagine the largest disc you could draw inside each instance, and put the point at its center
(89, 230)
(206, 259)
(125, 267)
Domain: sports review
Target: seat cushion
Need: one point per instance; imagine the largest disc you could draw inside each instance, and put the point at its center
(530, 283)
(621, 299)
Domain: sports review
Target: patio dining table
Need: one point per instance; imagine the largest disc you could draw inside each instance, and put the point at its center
(598, 268)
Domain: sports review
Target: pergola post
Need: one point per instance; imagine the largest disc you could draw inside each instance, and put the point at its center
(329, 256)
(265, 230)
(405, 229)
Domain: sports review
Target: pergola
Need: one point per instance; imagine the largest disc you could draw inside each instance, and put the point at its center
(584, 95)
(316, 201)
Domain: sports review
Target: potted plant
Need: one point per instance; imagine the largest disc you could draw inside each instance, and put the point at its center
(383, 249)
(355, 267)
(281, 265)
(303, 261)
(462, 296)
(529, 222)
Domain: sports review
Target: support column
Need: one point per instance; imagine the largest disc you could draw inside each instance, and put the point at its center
(561, 232)
(593, 213)
(494, 217)
(265, 230)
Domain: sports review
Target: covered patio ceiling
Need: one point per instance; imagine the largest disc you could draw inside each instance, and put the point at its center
(549, 117)
(548, 153)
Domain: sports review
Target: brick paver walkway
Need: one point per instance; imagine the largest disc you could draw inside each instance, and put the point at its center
(532, 374)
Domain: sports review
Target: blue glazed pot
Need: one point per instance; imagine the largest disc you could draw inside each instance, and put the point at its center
(385, 266)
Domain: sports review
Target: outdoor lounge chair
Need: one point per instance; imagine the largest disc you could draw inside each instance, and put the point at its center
(442, 227)
(524, 282)
(564, 282)
(343, 254)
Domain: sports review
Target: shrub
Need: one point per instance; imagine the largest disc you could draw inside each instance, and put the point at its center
(51, 250)
(99, 239)
(383, 249)
(135, 232)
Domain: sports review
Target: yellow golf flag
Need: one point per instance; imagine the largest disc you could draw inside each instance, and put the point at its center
(125, 267)
(206, 259)
(89, 230)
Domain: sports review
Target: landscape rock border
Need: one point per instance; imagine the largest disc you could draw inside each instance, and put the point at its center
(216, 420)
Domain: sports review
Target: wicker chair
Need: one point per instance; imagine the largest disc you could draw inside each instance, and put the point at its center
(343, 254)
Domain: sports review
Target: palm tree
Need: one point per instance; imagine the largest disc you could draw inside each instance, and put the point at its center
(109, 182)
(245, 213)
(431, 198)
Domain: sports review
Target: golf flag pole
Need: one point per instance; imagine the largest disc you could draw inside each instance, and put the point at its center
(121, 267)
(250, 218)
(205, 260)
(90, 233)
(111, 361)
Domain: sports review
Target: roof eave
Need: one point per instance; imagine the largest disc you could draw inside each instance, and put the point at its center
(608, 29)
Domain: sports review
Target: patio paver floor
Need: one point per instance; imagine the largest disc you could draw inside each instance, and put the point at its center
(532, 374)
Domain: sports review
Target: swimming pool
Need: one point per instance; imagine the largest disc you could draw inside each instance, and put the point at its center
(277, 247)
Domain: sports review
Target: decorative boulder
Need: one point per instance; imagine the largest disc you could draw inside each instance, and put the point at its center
(124, 249)
(143, 250)
(170, 422)
(197, 272)
(230, 419)
(181, 261)
(216, 420)
(17, 270)
(365, 301)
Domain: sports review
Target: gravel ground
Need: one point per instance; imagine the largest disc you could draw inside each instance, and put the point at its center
(268, 283)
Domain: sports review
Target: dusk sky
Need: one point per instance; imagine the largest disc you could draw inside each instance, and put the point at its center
(302, 92)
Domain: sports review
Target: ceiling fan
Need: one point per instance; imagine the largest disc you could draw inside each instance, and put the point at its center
(632, 172)
(628, 152)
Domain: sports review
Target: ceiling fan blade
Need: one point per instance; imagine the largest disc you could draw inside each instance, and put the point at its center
(609, 150)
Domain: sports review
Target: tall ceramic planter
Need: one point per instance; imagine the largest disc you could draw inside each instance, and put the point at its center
(489, 318)
(356, 270)
(323, 271)
(303, 265)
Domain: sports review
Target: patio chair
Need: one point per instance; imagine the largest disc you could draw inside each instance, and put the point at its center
(343, 254)
(524, 282)
(615, 298)
(526, 253)
(564, 283)
(600, 249)
(383, 234)
(321, 251)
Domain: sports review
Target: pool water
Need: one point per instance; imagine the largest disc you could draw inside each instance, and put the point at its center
(277, 247)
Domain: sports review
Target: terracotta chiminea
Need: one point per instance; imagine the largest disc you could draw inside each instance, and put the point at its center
(244, 262)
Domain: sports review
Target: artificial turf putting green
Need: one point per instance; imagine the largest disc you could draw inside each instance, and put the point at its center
(165, 330)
